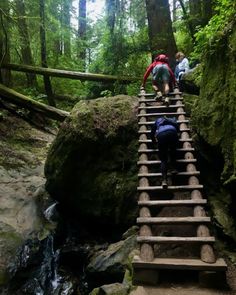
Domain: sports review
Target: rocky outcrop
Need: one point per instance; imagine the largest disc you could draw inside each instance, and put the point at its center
(213, 118)
(23, 149)
(91, 167)
(190, 81)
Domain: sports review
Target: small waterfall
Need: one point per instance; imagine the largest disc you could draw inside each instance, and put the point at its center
(46, 280)
(50, 211)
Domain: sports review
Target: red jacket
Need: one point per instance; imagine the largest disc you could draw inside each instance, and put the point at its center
(151, 67)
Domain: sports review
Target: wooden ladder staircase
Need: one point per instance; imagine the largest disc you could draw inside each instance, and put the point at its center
(170, 240)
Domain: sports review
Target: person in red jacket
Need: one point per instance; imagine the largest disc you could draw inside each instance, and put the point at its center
(163, 77)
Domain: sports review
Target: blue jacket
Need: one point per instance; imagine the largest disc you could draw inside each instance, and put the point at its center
(163, 124)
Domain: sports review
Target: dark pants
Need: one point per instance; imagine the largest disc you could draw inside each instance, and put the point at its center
(167, 144)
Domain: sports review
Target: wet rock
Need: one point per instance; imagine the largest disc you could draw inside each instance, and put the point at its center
(112, 289)
(22, 153)
(110, 265)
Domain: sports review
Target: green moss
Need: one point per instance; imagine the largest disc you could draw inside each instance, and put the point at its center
(213, 114)
(220, 204)
(93, 159)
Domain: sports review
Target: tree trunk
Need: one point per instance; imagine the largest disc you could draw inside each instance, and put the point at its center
(175, 10)
(5, 75)
(66, 27)
(26, 53)
(206, 11)
(160, 31)
(188, 22)
(82, 27)
(21, 100)
(55, 11)
(111, 14)
(70, 74)
(195, 12)
(47, 82)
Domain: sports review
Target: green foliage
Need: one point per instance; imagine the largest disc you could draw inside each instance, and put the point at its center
(211, 36)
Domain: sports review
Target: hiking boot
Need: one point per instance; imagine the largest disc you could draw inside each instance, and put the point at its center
(173, 171)
(164, 183)
(158, 96)
(167, 101)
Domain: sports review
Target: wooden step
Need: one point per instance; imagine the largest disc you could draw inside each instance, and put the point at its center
(173, 220)
(179, 263)
(174, 240)
(147, 95)
(149, 140)
(152, 122)
(161, 114)
(153, 95)
(149, 131)
(159, 162)
(170, 187)
(183, 173)
(174, 203)
(176, 93)
(160, 107)
(156, 150)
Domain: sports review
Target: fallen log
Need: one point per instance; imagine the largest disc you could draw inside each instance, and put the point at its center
(68, 74)
(10, 95)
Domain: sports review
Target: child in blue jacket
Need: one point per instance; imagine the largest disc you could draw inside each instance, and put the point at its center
(164, 132)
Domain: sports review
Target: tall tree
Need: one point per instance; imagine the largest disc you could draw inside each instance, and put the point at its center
(82, 30)
(111, 14)
(175, 10)
(161, 37)
(66, 27)
(5, 75)
(195, 12)
(206, 11)
(47, 82)
(26, 53)
(187, 20)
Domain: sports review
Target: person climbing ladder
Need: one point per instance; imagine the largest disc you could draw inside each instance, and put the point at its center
(162, 77)
(164, 133)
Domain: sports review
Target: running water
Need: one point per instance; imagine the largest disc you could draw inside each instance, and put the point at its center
(50, 211)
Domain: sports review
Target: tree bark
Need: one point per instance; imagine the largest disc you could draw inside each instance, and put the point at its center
(66, 27)
(70, 74)
(5, 75)
(195, 12)
(26, 53)
(111, 14)
(14, 97)
(160, 31)
(175, 10)
(47, 82)
(188, 22)
(206, 11)
(82, 28)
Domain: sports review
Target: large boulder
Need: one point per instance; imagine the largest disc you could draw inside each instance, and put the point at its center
(91, 167)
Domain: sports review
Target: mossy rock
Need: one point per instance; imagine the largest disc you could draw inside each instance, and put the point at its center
(91, 166)
(214, 113)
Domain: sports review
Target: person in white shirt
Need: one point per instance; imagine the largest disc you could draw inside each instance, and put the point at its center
(182, 65)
